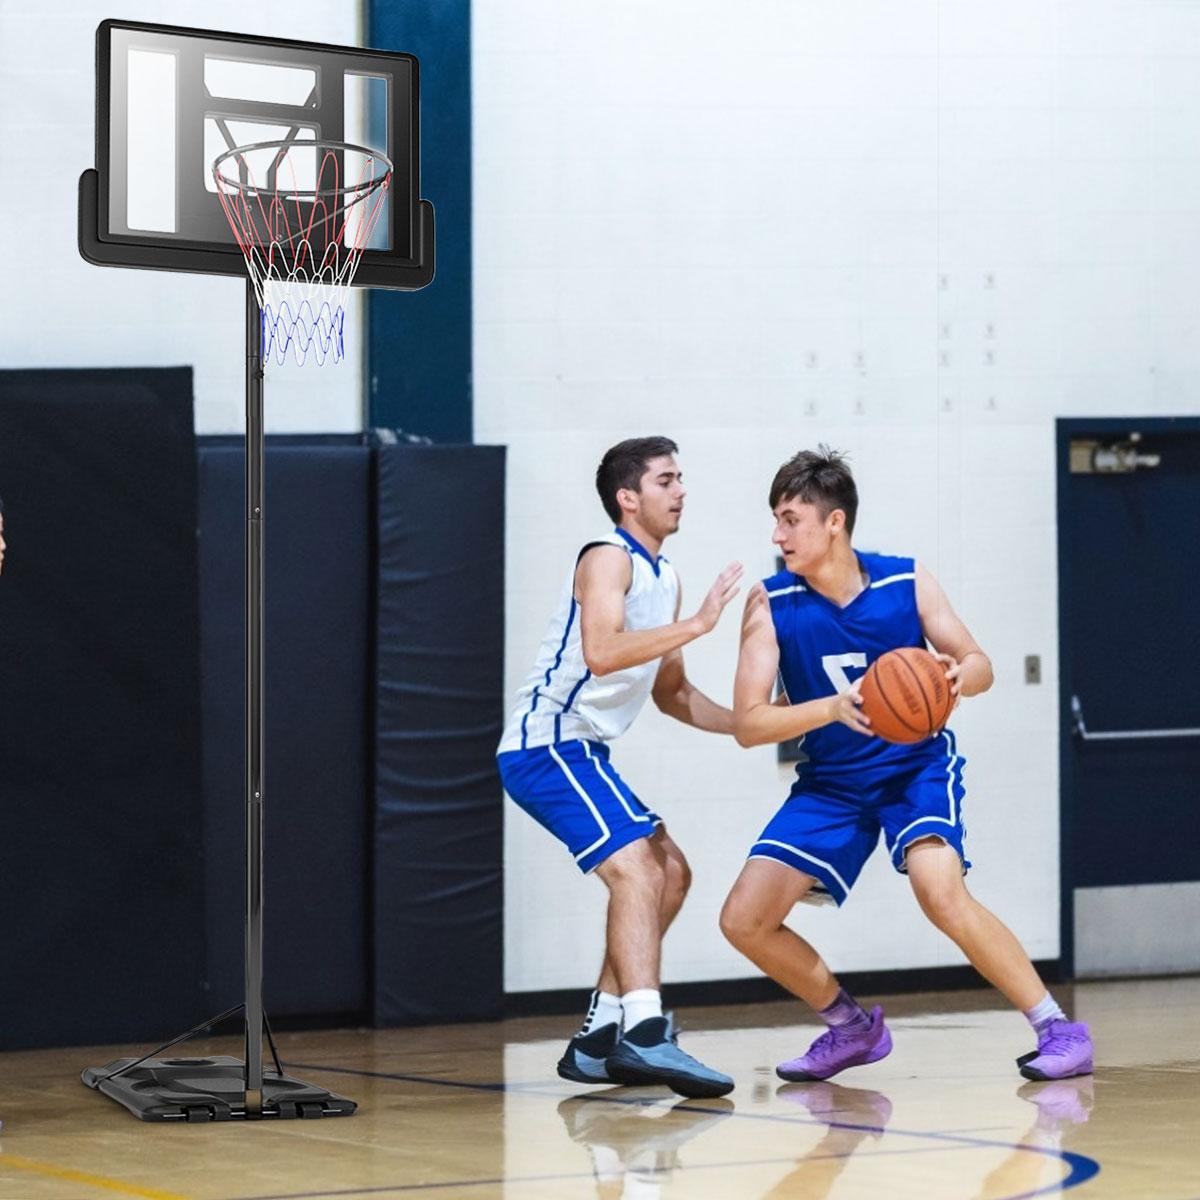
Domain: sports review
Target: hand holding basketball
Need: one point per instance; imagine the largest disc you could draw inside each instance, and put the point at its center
(846, 707)
(907, 694)
(953, 673)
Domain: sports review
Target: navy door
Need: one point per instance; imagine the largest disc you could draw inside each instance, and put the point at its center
(1129, 607)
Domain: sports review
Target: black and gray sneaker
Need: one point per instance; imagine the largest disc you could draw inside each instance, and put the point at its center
(647, 1053)
(583, 1061)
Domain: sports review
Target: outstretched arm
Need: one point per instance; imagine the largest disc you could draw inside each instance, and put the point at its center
(757, 720)
(602, 578)
(968, 669)
(675, 695)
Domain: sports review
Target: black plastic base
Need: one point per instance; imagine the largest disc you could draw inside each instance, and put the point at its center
(209, 1089)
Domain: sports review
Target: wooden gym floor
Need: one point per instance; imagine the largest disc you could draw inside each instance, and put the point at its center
(473, 1111)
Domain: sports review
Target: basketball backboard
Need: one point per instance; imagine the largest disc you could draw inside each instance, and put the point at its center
(170, 100)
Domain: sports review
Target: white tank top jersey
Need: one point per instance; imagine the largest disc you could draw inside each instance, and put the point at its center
(561, 700)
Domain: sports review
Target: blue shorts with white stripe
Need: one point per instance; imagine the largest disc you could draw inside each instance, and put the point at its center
(830, 824)
(572, 789)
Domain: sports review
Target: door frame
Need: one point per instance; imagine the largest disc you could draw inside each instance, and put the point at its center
(1067, 428)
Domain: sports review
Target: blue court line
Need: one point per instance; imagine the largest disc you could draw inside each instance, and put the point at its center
(474, 1087)
(1080, 1167)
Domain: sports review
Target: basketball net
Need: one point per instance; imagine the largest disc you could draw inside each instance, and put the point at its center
(302, 213)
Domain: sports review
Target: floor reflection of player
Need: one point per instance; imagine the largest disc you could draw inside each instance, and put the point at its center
(855, 1115)
(1061, 1104)
(634, 1145)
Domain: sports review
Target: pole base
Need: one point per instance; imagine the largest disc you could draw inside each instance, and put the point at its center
(209, 1089)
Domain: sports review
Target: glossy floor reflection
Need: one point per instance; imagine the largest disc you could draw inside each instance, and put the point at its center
(477, 1111)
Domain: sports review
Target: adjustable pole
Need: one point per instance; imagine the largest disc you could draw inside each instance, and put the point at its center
(254, 703)
(221, 1088)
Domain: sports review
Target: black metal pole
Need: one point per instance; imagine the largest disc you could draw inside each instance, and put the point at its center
(254, 703)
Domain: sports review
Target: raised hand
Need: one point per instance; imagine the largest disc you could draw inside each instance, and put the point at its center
(719, 595)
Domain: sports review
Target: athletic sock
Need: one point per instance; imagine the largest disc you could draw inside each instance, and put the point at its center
(1045, 1011)
(605, 1009)
(640, 1005)
(845, 1012)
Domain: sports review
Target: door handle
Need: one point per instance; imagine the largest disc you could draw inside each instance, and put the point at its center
(1081, 731)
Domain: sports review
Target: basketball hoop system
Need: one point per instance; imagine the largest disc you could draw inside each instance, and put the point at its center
(305, 219)
(302, 211)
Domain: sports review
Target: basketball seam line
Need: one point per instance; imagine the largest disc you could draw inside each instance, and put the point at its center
(891, 707)
(921, 692)
(883, 696)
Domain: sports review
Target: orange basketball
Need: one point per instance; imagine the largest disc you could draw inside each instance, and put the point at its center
(906, 696)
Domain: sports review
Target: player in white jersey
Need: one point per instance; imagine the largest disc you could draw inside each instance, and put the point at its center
(614, 642)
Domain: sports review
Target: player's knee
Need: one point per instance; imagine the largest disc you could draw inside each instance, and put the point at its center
(741, 924)
(678, 880)
(634, 868)
(944, 905)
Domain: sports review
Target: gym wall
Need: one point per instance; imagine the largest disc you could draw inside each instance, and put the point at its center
(919, 233)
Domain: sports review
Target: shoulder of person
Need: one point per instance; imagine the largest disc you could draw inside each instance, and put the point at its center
(883, 566)
(781, 582)
(601, 561)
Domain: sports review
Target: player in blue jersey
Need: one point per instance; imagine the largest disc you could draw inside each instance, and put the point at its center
(817, 626)
(614, 642)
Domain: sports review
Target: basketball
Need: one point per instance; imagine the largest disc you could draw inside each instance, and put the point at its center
(906, 696)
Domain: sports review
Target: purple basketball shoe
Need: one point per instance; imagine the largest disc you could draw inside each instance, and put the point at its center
(1064, 1049)
(838, 1048)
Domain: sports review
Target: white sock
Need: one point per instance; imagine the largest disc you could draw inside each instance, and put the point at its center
(605, 1009)
(1043, 1012)
(640, 1005)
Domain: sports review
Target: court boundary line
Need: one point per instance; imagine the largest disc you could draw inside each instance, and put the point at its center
(73, 1175)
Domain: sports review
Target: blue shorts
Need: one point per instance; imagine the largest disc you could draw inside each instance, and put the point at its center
(571, 789)
(828, 826)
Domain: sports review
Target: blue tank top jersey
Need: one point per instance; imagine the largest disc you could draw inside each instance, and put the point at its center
(823, 649)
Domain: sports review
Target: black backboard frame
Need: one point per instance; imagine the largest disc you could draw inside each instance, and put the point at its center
(407, 264)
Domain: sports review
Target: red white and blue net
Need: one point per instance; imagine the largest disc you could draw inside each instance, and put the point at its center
(303, 212)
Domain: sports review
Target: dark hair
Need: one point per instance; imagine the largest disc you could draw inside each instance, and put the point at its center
(623, 467)
(819, 477)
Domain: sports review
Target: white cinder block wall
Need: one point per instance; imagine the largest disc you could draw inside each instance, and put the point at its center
(61, 311)
(918, 231)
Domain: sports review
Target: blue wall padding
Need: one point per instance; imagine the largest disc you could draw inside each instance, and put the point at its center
(316, 622)
(101, 881)
(122, 719)
(438, 829)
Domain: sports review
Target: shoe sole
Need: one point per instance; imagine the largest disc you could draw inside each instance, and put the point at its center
(881, 1049)
(1041, 1077)
(567, 1070)
(632, 1074)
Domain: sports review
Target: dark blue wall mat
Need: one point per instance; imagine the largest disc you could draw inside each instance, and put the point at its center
(438, 827)
(101, 881)
(317, 575)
